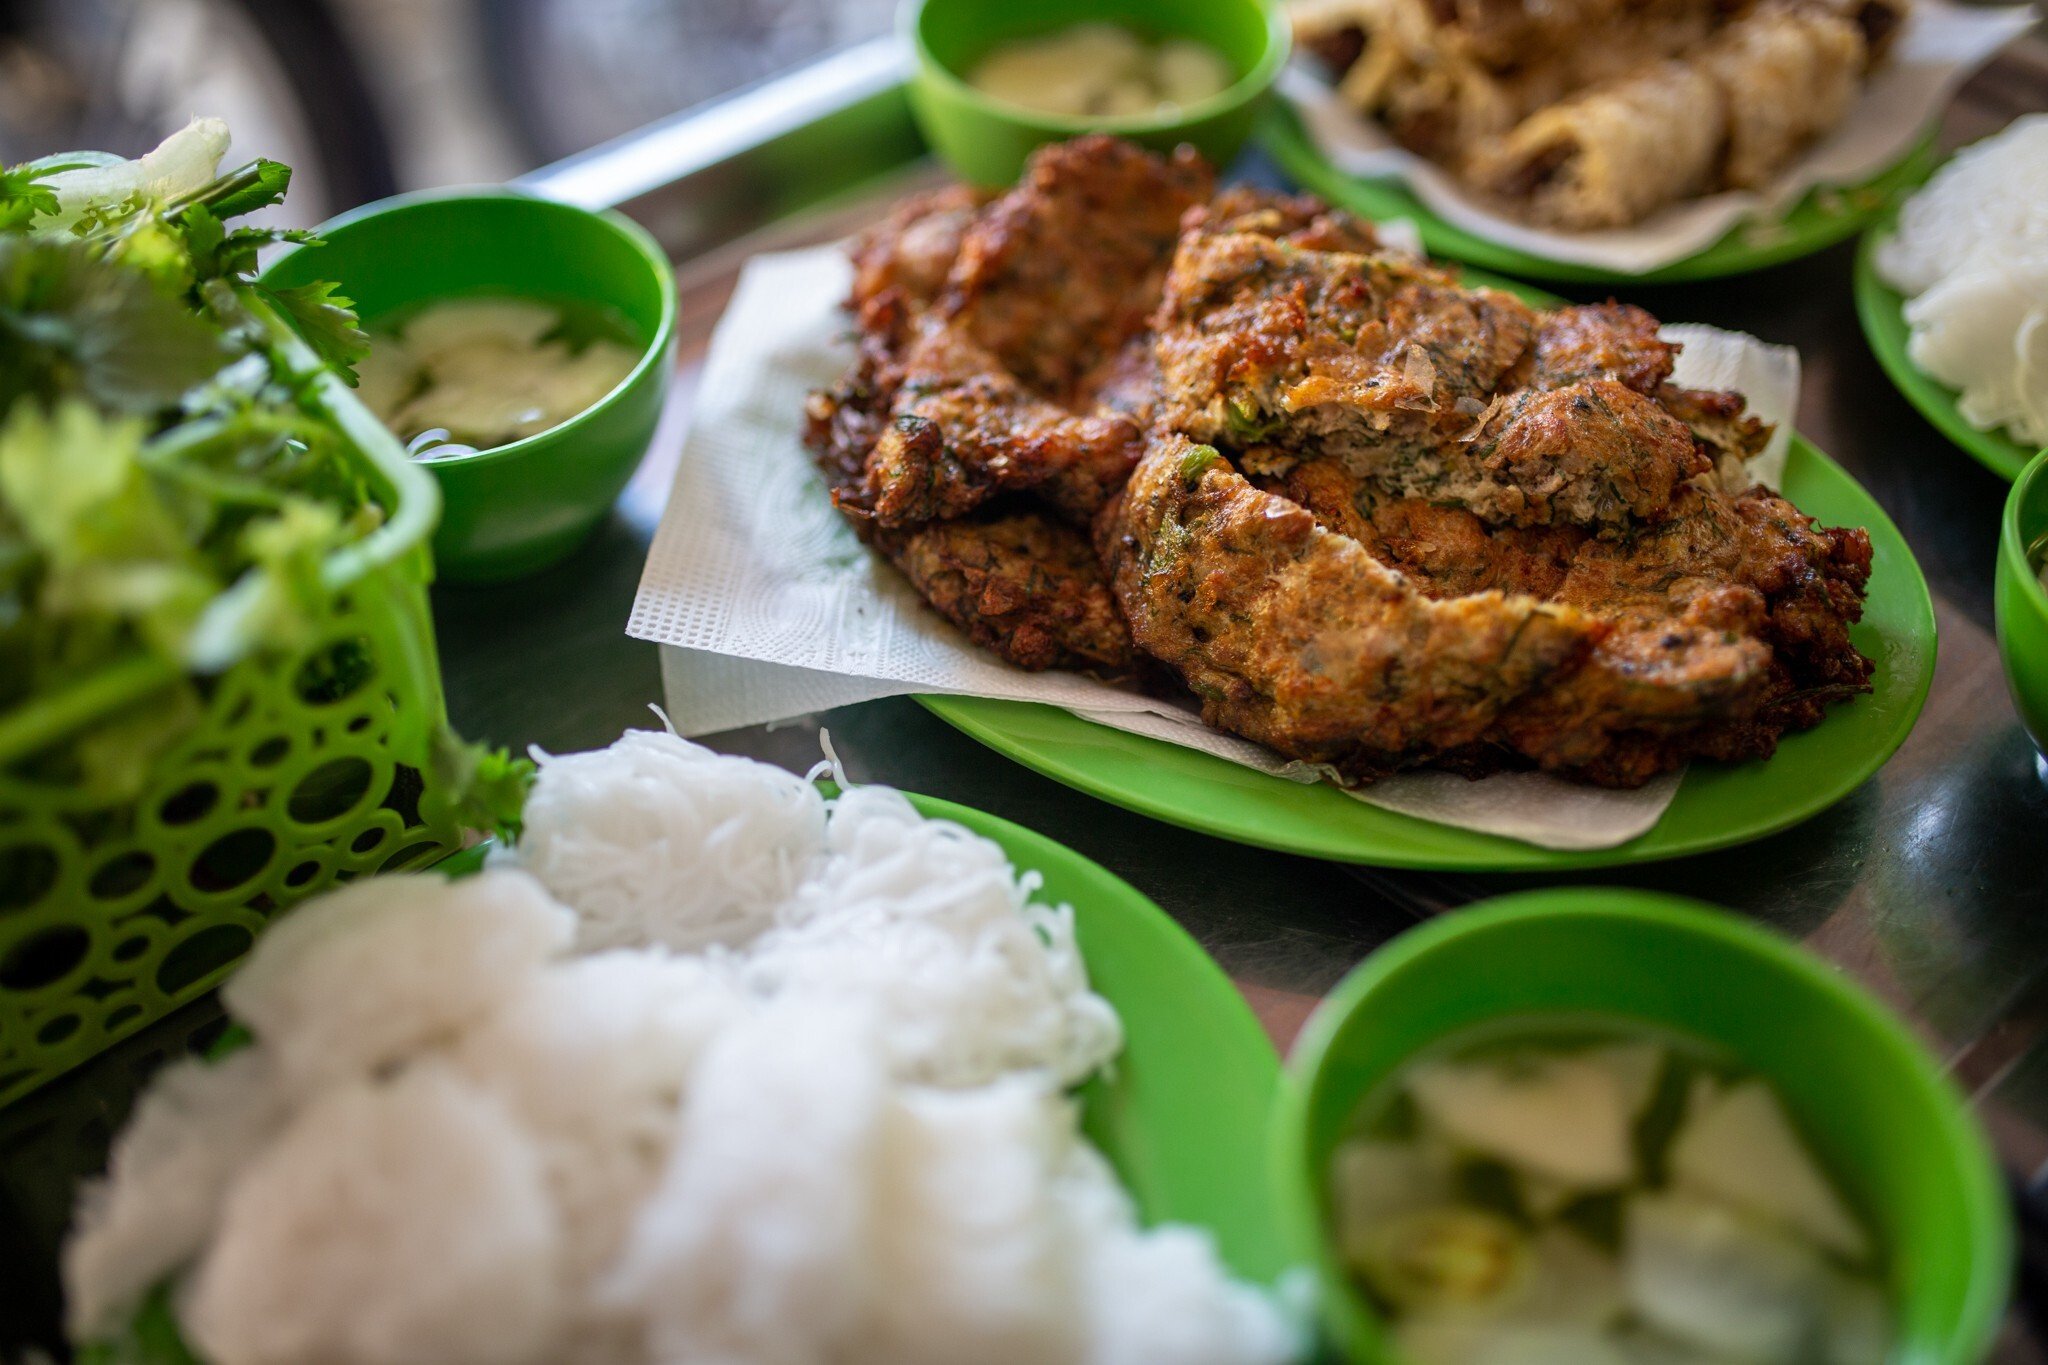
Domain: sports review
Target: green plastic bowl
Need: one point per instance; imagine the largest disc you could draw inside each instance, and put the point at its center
(987, 140)
(515, 508)
(1875, 1107)
(2022, 602)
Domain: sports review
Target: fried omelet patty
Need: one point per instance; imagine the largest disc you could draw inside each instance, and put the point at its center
(1369, 516)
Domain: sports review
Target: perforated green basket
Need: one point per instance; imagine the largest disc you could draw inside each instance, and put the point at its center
(307, 767)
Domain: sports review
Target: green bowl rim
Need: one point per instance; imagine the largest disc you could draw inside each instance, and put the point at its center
(628, 231)
(2012, 545)
(1242, 91)
(1982, 1198)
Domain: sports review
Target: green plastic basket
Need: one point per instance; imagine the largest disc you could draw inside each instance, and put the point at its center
(307, 768)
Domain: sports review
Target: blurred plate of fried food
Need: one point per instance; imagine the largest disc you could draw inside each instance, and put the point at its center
(1601, 140)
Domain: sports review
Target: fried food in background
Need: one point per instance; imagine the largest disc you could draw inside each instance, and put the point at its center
(1369, 516)
(1588, 114)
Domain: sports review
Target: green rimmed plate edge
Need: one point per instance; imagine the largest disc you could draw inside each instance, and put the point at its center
(1283, 136)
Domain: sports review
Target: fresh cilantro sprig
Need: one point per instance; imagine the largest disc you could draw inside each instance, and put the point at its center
(163, 489)
(24, 197)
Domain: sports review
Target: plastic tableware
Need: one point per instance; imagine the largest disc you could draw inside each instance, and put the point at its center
(1870, 1101)
(987, 140)
(1826, 215)
(515, 508)
(2023, 601)
(1718, 805)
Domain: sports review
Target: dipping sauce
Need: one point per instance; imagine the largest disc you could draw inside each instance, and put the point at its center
(1600, 1197)
(465, 375)
(1102, 70)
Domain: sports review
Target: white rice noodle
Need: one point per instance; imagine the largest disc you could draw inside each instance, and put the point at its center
(199, 1124)
(971, 1248)
(361, 978)
(592, 1058)
(1988, 204)
(658, 840)
(817, 1113)
(1984, 332)
(1971, 254)
(752, 1251)
(1160, 1295)
(814, 1212)
(393, 1222)
(931, 923)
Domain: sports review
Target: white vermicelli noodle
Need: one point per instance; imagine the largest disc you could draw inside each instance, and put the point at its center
(658, 840)
(361, 977)
(1161, 1295)
(802, 1099)
(197, 1127)
(593, 1059)
(752, 1250)
(1971, 253)
(392, 1222)
(1984, 332)
(1988, 204)
(973, 1253)
(931, 922)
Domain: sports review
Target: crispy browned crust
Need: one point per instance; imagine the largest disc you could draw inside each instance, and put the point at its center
(1613, 341)
(1020, 583)
(1727, 623)
(1378, 519)
(1296, 637)
(1003, 356)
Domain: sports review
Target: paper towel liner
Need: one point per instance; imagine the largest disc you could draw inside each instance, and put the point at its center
(770, 607)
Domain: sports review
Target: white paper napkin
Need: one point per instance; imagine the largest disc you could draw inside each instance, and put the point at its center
(1939, 48)
(771, 608)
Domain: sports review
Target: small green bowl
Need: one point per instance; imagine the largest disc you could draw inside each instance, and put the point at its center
(987, 140)
(1876, 1108)
(515, 508)
(2022, 601)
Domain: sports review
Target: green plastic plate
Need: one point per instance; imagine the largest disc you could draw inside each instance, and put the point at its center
(1823, 218)
(1182, 1114)
(1718, 805)
(1881, 309)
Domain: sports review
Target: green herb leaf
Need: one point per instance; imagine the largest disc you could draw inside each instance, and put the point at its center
(151, 1337)
(23, 196)
(327, 321)
(488, 786)
(166, 501)
(71, 320)
(246, 189)
(1197, 461)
